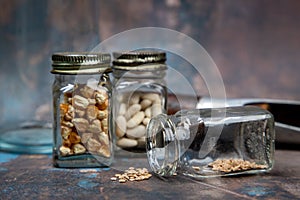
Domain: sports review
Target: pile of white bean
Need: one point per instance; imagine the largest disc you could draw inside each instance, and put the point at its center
(133, 115)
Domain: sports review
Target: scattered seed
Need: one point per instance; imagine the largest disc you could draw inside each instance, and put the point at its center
(132, 174)
(122, 181)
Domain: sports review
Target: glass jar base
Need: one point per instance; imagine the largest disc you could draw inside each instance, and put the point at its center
(80, 161)
(29, 139)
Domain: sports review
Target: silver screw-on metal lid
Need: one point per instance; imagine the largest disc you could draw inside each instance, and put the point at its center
(139, 60)
(80, 62)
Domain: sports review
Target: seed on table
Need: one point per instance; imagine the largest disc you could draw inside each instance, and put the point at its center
(131, 171)
(122, 181)
(126, 177)
(132, 174)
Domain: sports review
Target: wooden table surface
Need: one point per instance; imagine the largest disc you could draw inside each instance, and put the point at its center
(34, 177)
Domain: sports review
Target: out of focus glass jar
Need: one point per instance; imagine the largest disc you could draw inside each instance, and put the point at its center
(139, 93)
(198, 144)
(82, 110)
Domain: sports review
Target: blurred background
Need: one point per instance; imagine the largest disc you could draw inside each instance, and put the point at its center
(254, 43)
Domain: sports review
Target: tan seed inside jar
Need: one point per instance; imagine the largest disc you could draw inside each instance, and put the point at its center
(84, 121)
(234, 165)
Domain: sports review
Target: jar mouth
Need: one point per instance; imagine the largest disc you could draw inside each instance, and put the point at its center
(162, 146)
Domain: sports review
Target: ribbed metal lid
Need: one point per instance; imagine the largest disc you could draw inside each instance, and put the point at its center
(80, 62)
(139, 60)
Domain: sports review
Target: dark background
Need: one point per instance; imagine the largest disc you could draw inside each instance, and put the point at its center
(254, 43)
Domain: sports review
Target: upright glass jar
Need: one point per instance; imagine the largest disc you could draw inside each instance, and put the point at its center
(198, 144)
(139, 93)
(82, 110)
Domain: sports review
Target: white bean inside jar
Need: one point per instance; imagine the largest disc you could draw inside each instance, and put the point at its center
(133, 114)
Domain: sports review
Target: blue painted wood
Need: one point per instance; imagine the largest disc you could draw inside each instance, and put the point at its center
(34, 177)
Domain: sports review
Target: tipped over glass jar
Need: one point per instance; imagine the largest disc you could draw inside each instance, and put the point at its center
(206, 143)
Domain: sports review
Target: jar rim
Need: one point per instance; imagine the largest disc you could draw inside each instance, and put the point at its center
(161, 141)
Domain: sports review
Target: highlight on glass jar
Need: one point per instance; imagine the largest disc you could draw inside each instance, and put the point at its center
(240, 143)
(81, 102)
(139, 93)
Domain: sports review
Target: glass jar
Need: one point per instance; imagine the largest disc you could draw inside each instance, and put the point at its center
(199, 144)
(139, 93)
(82, 110)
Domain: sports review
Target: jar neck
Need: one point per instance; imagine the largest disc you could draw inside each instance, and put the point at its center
(79, 78)
(162, 145)
(139, 74)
